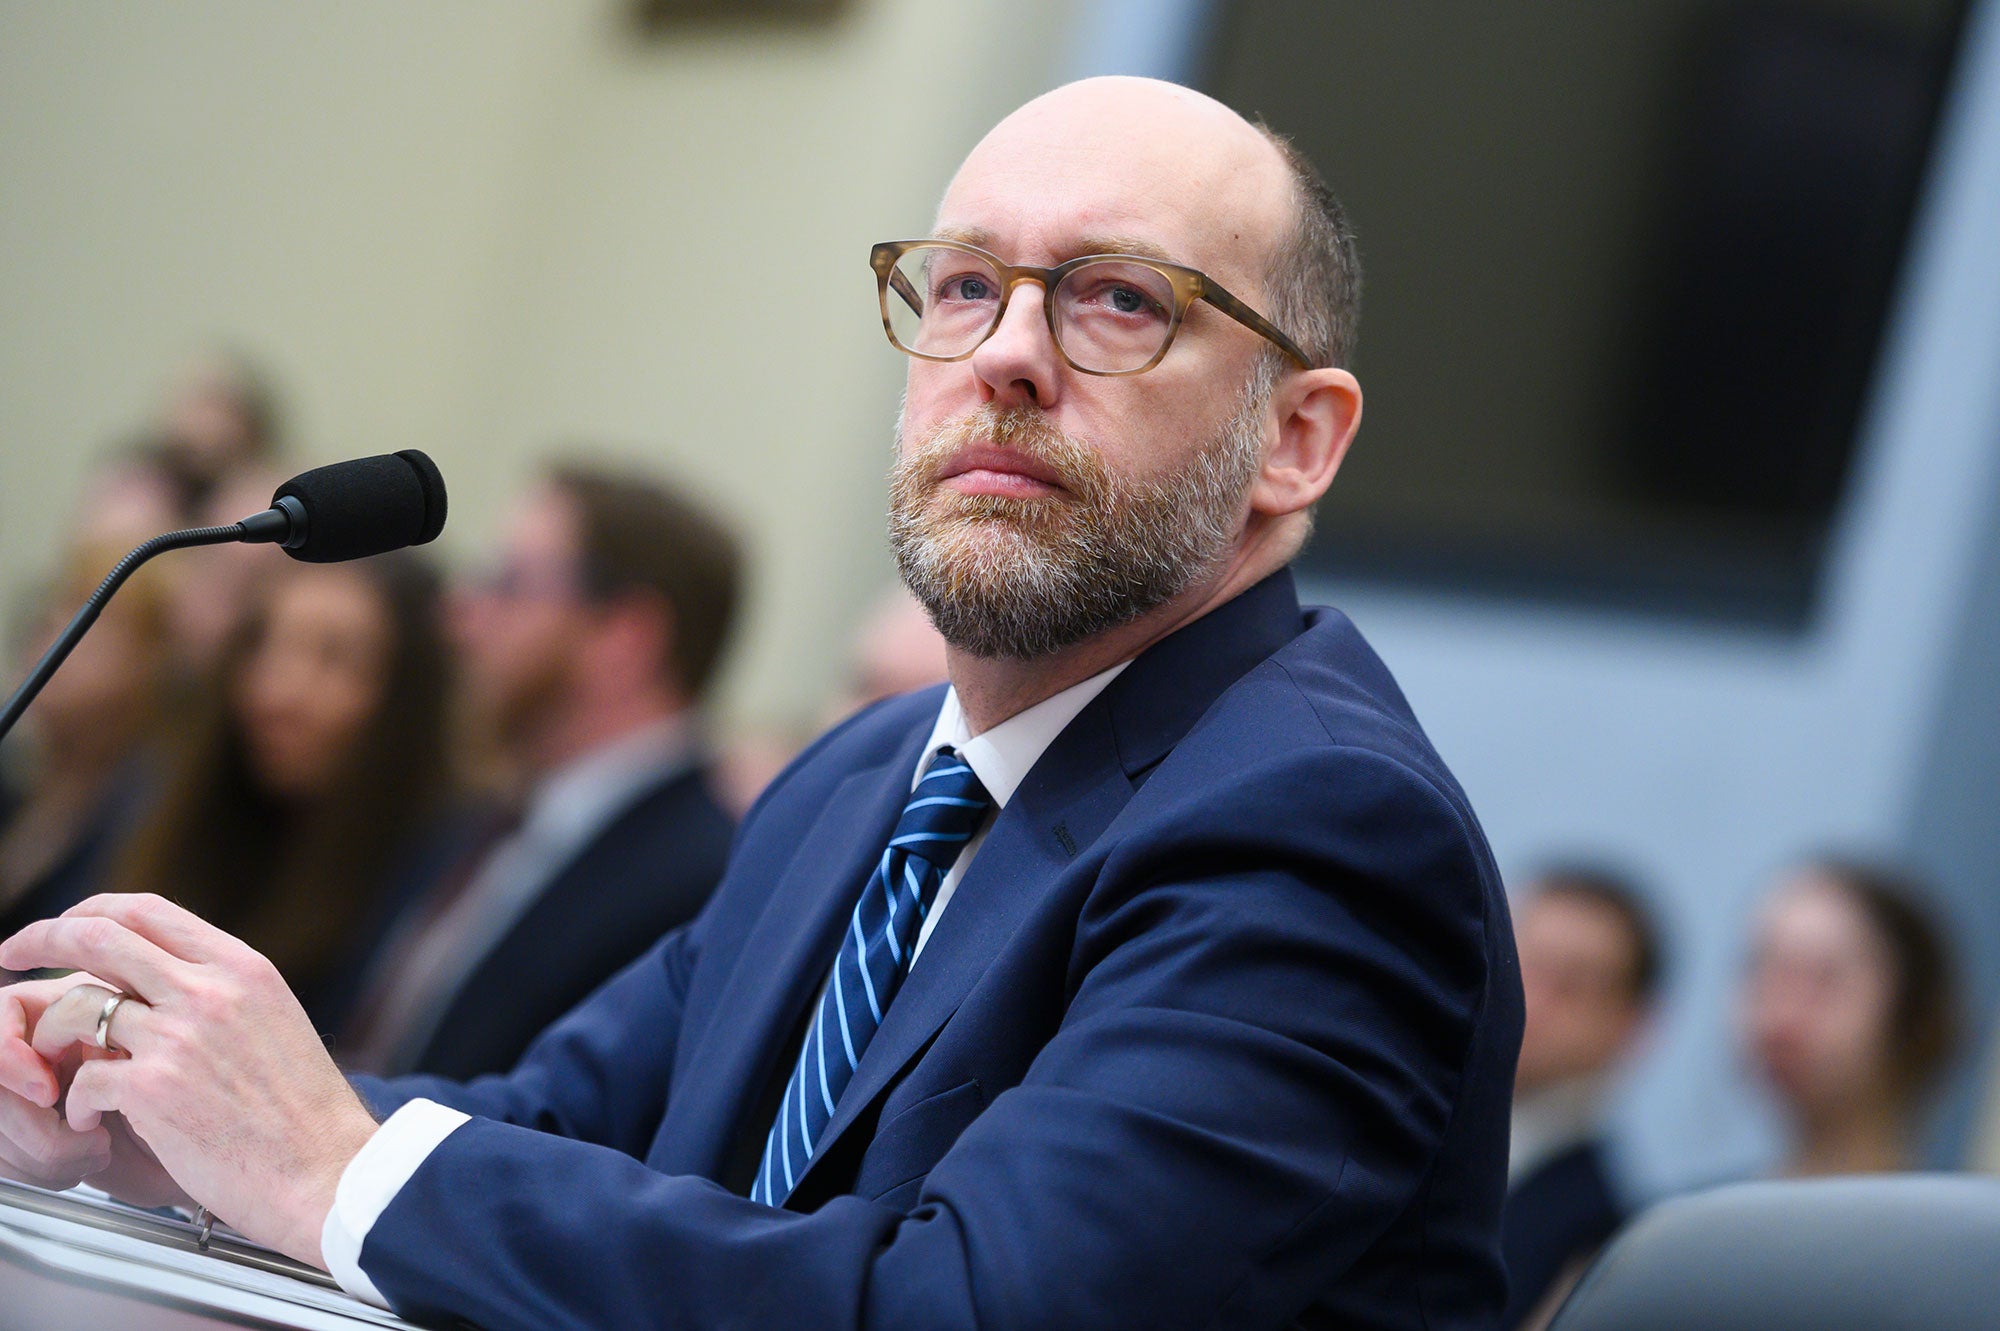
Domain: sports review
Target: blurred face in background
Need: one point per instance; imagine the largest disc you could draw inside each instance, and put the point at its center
(896, 650)
(313, 679)
(517, 628)
(1579, 980)
(210, 422)
(213, 586)
(1817, 1003)
(109, 687)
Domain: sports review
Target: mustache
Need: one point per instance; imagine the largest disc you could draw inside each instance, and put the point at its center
(1023, 430)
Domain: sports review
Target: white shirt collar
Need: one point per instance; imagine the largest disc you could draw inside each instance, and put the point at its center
(577, 799)
(1000, 757)
(1551, 1120)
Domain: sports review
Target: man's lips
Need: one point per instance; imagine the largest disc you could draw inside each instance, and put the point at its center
(986, 470)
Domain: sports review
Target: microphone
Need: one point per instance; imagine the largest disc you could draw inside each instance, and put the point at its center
(348, 510)
(351, 510)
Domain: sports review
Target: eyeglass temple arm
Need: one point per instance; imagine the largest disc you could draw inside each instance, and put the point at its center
(906, 291)
(1252, 320)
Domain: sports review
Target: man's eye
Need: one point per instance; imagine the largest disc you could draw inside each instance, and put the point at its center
(966, 287)
(1126, 300)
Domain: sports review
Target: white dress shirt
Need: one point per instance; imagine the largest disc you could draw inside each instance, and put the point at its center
(1000, 757)
(1552, 1120)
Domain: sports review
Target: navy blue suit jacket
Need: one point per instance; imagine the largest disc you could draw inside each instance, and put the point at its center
(1218, 1031)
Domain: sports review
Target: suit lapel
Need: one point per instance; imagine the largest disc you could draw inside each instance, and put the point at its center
(1074, 791)
(783, 961)
(1166, 689)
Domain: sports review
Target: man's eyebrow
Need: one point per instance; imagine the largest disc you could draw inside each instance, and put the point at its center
(966, 235)
(1107, 244)
(1144, 249)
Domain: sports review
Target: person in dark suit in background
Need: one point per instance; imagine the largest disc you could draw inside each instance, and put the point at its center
(1155, 972)
(1590, 972)
(585, 653)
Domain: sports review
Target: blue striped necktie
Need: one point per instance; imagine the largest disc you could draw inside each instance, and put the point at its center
(943, 813)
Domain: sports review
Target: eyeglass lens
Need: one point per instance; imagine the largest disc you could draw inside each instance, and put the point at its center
(1110, 315)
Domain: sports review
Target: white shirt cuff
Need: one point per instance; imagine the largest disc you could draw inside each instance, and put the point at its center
(371, 1181)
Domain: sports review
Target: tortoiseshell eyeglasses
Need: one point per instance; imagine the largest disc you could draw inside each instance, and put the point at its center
(1108, 313)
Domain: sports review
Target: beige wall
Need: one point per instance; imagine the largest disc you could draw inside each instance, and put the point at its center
(487, 228)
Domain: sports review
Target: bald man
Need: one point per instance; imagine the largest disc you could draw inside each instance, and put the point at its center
(1152, 973)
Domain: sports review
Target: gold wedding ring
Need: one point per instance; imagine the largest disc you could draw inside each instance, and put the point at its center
(104, 1016)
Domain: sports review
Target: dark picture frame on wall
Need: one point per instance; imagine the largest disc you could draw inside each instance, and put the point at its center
(665, 18)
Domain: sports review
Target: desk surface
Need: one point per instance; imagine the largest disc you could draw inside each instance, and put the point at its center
(68, 1260)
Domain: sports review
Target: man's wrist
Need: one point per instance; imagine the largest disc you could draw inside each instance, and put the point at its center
(371, 1180)
(340, 1140)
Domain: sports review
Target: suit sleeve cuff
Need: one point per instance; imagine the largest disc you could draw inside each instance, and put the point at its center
(371, 1181)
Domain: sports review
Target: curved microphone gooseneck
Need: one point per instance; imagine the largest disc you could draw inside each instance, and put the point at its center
(80, 623)
(348, 510)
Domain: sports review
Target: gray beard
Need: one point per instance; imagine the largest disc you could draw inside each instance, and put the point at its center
(1023, 578)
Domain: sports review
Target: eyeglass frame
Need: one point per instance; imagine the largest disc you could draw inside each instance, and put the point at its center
(1189, 285)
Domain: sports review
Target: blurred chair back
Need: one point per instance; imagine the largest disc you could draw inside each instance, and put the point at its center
(1916, 1251)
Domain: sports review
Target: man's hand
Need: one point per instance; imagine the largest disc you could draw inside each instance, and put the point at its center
(35, 1145)
(223, 1079)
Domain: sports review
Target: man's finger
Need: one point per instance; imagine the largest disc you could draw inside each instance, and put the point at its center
(56, 1175)
(26, 1074)
(73, 1018)
(97, 944)
(96, 1090)
(174, 929)
(36, 1146)
(22, 1071)
(21, 1003)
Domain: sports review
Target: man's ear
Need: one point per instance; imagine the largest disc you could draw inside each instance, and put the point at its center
(1316, 413)
(634, 640)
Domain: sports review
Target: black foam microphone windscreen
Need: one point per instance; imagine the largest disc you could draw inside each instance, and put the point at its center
(366, 507)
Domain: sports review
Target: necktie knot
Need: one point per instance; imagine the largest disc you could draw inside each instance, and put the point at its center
(943, 812)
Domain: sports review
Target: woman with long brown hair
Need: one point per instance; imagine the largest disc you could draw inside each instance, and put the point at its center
(93, 733)
(312, 782)
(1850, 1012)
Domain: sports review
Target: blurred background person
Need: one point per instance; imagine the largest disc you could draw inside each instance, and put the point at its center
(586, 653)
(213, 585)
(1850, 1012)
(219, 422)
(95, 731)
(1590, 974)
(314, 775)
(894, 649)
(211, 457)
(1983, 1150)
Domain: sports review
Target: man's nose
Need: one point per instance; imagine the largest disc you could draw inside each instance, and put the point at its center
(1019, 362)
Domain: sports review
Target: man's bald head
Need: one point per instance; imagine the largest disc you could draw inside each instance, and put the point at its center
(1188, 137)
(1294, 254)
